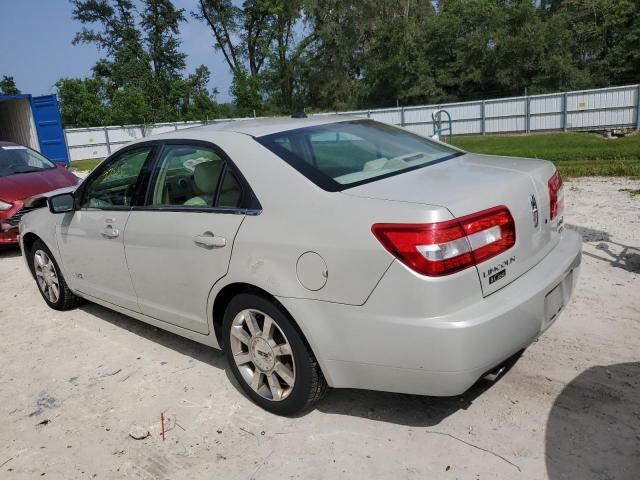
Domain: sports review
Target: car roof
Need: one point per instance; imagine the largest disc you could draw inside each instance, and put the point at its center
(255, 127)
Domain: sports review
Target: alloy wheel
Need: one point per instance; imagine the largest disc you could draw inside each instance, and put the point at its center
(262, 354)
(46, 275)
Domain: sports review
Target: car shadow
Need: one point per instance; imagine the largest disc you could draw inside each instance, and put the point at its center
(9, 251)
(197, 351)
(625, 256)
(593, 430)
(402, 409)
(408, 410)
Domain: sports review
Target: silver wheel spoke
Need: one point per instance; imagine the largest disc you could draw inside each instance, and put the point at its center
(285, 373)
(255, 381)
(39, 260)
(242, 358)
(55, 292)
(268, 328)
(241, 335)
(280, 350)
(274, 386)
(252, 323)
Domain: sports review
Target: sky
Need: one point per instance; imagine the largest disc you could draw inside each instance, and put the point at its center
(36, 49)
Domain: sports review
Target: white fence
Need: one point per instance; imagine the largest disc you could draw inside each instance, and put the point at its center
(614, 107)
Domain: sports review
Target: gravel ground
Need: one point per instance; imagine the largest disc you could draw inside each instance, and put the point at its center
(74, 384)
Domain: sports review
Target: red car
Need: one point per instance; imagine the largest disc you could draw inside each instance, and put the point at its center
(24, 173)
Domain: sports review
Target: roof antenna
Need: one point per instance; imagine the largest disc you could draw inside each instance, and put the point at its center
(299, 115)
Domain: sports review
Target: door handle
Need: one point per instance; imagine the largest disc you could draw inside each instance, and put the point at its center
(208, 240)
(110, 232)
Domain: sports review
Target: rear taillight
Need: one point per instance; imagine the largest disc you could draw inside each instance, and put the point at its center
(437, 249)
(556, 195)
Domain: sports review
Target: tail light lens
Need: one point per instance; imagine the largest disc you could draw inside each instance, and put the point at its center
(556, 195)
(437, 249)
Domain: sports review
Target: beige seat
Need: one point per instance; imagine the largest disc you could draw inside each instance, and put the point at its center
(205, 177)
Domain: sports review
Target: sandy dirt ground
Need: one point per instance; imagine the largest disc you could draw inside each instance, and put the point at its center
(73, 384)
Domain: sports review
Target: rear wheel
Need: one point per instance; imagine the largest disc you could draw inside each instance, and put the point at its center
(51, 283)
(269, 357)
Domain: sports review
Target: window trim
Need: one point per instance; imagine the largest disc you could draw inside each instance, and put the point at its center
(324, 181)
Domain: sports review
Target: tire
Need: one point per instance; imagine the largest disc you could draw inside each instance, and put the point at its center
(266, 349)
(49, 279)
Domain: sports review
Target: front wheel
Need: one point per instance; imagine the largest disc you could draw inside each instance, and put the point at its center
(51, 283)
(269, 357)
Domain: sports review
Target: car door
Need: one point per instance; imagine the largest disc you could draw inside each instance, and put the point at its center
(91, 238)
(178, 245)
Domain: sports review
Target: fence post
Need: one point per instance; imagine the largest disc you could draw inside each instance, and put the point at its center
(142, 129)
(638, 108)
(528, 114)
(175, 125)
(482, 115)
(564, 111)
(106, 137)
(368, 113)
(402, 116)
(66, 145)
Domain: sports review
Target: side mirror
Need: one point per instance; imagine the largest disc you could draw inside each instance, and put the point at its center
(61, 164)
(61, 203)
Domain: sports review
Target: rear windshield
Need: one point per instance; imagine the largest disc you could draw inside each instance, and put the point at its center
(16, 159)
(341, 155)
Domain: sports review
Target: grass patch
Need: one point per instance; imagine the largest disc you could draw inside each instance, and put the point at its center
(574, 154)
(84, 165)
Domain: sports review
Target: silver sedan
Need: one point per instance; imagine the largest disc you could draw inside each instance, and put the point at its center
(325, 251)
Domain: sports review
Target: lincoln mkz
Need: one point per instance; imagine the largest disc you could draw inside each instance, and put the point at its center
(318, 252)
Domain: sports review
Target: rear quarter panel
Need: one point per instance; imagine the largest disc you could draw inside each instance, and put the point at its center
(298, 217)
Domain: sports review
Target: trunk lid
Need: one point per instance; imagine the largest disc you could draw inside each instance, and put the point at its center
(472, 183)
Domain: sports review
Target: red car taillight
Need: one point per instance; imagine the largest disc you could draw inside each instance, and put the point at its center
(437, 249)
(556, 195)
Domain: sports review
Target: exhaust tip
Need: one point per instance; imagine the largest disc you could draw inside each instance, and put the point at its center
(494, 374)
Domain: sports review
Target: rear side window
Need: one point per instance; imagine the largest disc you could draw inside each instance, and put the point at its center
(345, 154)
(194, 177)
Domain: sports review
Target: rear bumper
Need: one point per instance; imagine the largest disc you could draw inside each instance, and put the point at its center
(378, 348)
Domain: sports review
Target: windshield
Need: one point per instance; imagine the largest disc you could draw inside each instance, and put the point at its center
(18, 159)
(345, 154)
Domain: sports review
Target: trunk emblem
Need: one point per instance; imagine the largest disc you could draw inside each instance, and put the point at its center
(534, 211)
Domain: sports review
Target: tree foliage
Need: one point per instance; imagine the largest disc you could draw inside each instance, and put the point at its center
(141, 77)
(8, 86)
(340, 54)
(286, 55)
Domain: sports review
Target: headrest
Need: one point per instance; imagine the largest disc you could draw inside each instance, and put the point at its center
(205, 176)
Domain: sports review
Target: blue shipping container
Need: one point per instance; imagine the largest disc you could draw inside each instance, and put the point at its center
(35, 122)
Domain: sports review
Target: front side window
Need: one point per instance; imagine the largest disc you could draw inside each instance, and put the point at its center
(115, 186)
(194, 177)
(345, 154)
(18, 159)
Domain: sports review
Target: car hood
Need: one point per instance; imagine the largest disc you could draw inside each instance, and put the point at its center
(24, 185)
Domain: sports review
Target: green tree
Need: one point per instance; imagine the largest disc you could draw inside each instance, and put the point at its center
(8, 86)
(143, 67)
(82, 102)
(258, 41)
